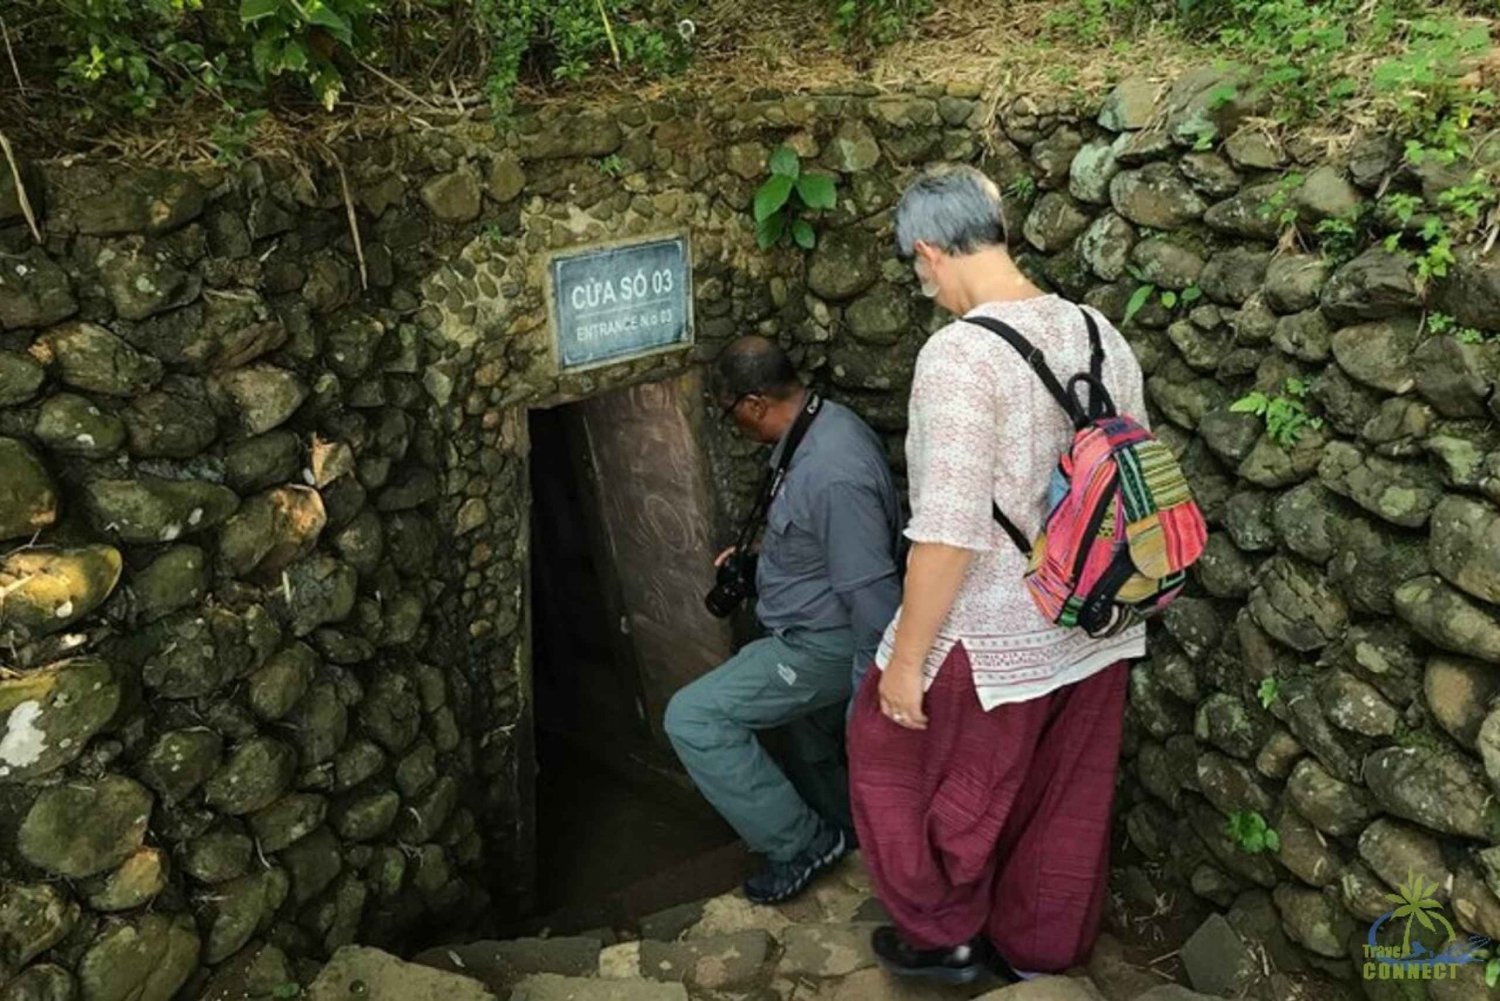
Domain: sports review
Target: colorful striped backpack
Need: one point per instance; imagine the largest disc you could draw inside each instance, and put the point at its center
(1122, 527)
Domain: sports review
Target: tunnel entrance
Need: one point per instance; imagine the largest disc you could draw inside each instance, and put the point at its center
(619, 540)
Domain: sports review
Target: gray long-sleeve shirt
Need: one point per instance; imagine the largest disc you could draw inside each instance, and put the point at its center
(828, 554)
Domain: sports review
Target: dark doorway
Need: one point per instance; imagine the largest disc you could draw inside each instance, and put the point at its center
(619, 830)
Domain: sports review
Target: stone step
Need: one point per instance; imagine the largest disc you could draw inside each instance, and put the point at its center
(826, 950)
(502, 965)
(720, 962)
(551, 987)
(372, 975)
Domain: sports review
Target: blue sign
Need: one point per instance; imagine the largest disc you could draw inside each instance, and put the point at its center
(621, 302)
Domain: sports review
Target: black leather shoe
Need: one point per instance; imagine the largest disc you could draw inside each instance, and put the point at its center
(961, 964)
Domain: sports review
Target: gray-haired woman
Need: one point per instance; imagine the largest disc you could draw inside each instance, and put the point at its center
(982, 756)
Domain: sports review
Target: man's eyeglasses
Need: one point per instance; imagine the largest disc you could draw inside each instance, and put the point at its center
(726, 410)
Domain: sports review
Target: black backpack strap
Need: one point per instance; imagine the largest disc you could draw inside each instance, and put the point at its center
(1096, 346)
(1036, 360)
(1038, 363)
(1011, 530)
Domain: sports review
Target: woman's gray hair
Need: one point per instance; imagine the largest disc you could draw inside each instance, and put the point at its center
(955, 208)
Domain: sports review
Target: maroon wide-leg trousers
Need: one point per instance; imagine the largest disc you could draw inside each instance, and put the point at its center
(991, 821)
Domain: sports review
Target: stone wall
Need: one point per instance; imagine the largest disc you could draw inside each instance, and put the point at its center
(264, 509)
(265, 515)
(1332, 666)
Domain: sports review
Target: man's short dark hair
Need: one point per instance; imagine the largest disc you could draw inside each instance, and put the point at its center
(754, 364)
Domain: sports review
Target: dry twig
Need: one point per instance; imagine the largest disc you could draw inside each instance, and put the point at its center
(15, 172)
(359, 247)
(14, 66)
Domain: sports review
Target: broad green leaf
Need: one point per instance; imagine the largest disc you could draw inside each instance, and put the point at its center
(254, 10)
(1169, 299)
(784, 163)
(325, 18)
(1255, 403)
(1190, 295)
(802, 232)
(294, 57)
(769, 230)
(817, 191)
(1137, 302)
(772, 196)
(1273, 841)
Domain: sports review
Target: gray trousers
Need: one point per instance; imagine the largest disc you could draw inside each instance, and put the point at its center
(799, 681)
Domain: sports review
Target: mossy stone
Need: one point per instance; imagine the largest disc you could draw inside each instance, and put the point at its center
(180, 761)
(52, 712)
(256, 774)
(144, 960)
(85, 826)
(33, 918)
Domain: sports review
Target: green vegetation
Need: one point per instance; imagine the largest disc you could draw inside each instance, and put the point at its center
(1442, 323)
(1167, 297)
(144, 56)
(1269, 692)
(1021, 188)
(787, 198)
(1341, 238)
(1313, 57)
(1250, 833)
(1285, 416)
(875, 22)
(1280, 206)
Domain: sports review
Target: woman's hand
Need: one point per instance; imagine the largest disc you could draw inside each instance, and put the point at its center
(901, 690)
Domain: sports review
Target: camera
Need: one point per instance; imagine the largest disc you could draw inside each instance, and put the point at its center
(735, 582)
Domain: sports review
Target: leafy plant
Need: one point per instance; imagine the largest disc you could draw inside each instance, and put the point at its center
(875, 22)
(1424, 86)
(1250, 833)
(1269, 691)
(233, 136)
(1021, 188)
(1341, 237)
(1168, 298)
(1137, 302)
(285, 991)
(1285, 416)
(572, 38)
(137, 55)
(300, 37)
(1492, 971)
(787, 198)
(1442, 323)
(611, 165)
(1280, 206)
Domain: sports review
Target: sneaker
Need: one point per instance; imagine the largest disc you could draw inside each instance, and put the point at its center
(961, 964)
(780, 881)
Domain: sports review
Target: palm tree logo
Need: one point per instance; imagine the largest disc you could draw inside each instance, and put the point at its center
(1414, 901)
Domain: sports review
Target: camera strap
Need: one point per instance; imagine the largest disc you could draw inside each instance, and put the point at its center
(810, 409)
(775, 477)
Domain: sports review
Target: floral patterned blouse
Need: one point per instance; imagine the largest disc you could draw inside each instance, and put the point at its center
(982, 426)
